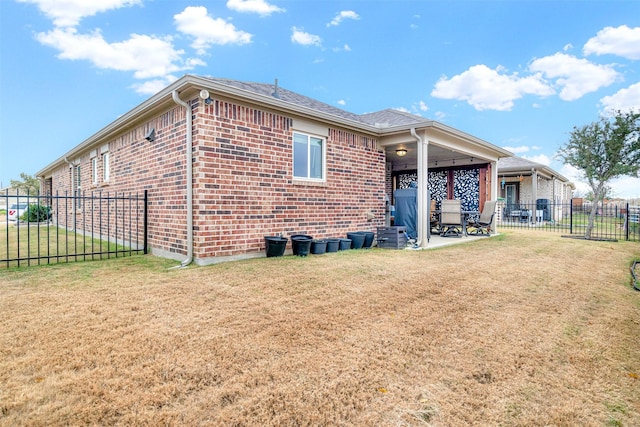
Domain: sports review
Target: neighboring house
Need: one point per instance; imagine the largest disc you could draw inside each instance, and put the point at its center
(262, 160)
(11, 196)
(525, 184)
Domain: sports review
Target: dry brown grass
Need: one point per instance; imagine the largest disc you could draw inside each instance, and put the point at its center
(524, 329)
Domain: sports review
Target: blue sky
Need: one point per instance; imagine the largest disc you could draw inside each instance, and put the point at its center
(519, 74)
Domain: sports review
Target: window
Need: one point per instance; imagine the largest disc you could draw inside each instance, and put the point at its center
(105, 167)
(94, 171)
(308, 157)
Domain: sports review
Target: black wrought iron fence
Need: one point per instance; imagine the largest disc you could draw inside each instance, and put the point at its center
(45, 229)
(612, 221)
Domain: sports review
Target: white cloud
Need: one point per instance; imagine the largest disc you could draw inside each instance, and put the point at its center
(576, 176)
(342, 102)
(488, 89)
(517, 150)
(622, 41)
(298, 36)
(440, 115)
(260, 7)
(575, 76)
(151, 87)
(567, 47)
(543, 159)
(206, 30)
(146, 56)
(625, 187)
(423, 106)
(624, 100)
(68, 13)
(345, 14)
(344, 48)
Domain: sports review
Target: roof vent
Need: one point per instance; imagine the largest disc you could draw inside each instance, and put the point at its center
(275, 93)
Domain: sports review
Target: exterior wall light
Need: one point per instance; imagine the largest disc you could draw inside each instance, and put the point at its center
(401, 152)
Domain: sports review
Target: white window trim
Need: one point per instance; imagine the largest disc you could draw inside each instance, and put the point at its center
(324, 158)
(106, 166)
(94, 170)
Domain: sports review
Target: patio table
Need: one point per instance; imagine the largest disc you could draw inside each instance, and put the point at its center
(465, 215)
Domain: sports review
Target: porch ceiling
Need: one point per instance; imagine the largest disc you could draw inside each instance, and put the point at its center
(438, 157)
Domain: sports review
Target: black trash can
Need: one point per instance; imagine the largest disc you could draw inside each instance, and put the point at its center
(301, 244)
(333, 245)
(345, 244)
(368, 239)
(275, 245)
(318, 247)
(357, 239)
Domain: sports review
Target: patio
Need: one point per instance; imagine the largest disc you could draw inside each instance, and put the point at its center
(442, 164)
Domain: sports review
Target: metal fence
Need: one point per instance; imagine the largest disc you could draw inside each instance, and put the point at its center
(612, 222)
(66, 227)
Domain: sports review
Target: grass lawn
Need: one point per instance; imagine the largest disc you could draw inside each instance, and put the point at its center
(523, 329)
(53, 244)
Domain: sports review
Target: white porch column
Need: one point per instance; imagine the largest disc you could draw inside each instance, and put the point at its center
(534, 194)
(424, 224)
(494, 192)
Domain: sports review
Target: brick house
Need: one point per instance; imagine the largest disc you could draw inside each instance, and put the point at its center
(264, 161)
(525, 184)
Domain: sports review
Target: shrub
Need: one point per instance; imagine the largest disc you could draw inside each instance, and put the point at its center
(37, 213)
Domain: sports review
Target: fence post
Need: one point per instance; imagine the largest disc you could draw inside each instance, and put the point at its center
(145, 222)
(626, 223)
(571, 217)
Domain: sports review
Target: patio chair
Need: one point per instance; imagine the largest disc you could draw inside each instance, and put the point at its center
(451, 218)
(435, 222)
(482, 225)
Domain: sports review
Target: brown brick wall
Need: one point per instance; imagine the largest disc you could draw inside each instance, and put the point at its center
(243, 185)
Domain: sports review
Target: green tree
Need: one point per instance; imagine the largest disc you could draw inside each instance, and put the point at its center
(26, 184)
(604, 150)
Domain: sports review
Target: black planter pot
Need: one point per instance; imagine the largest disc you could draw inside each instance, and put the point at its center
(275, 245)
(345, 244)
(368, 239)
(300, 244)
(318, 247)
(357, 239)
(333, 245)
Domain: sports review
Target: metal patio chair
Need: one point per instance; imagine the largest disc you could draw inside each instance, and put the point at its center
(482, 225)
(451, 218)
(434, 218)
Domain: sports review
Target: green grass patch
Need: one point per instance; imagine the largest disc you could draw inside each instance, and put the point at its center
(38, 244)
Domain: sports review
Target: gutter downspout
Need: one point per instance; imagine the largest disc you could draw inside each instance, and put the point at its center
(422, 190)
(189, 178)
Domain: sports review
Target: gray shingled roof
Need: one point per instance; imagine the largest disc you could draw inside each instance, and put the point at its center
(517, 163)
(391, 117)
(388, 117)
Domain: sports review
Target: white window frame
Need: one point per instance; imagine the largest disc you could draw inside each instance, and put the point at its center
(106, 169)
(308, 137)
(94, 170)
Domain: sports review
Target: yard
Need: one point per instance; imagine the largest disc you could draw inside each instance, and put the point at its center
(523, 329)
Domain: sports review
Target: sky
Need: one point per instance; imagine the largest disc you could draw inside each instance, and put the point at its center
(519, 74)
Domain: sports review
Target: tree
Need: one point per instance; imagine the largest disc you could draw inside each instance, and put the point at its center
(27, 184)
(604, 150)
